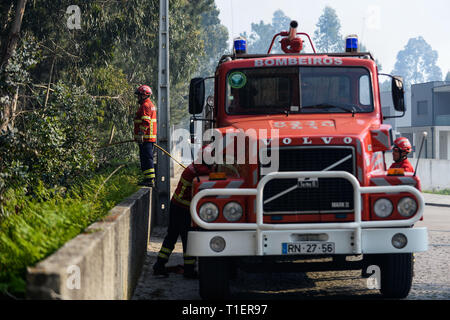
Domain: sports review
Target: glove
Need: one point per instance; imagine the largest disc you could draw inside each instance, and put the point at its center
(140, 138)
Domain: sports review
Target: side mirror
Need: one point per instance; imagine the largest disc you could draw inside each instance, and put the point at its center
(398, 94)
(196, 95)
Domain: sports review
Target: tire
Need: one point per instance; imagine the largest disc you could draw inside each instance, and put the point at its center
(214, 278)
(396, 274)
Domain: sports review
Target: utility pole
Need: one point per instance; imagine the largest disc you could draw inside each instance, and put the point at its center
(163, 163)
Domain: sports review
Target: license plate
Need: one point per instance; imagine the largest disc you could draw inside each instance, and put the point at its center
(307, 247)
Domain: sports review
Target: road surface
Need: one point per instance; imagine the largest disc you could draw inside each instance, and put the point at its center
(431, 280)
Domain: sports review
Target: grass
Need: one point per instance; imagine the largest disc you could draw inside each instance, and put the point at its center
(443, 191)
(32, 228)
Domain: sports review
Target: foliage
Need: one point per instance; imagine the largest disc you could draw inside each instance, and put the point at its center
(327, 36)
(417, 62)
(64, 93)
(447, 77)
(445, 192)
(261, 36)
(33, 227)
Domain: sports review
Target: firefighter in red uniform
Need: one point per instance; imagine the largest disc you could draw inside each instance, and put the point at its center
(400, 151)
(180, 220)
(145, 134)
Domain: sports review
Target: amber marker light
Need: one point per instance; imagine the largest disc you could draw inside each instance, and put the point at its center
(217, 176)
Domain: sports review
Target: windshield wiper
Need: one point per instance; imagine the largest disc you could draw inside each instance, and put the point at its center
(329, 106)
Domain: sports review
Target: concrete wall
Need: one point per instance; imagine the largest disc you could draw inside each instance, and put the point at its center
(433, 173)
(103, 263)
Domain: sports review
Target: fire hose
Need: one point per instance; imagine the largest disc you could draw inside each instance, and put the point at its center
(156, 145)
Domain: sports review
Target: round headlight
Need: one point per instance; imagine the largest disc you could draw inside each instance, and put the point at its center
(232, 211)
(407, 207)
(399, 240)
(208, 212)
(383, 207)
(217, 244)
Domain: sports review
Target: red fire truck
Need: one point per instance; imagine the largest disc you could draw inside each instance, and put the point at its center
(313, 181)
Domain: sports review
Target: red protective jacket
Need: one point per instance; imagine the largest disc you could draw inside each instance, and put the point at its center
(405, 164)
(183, 193)
(145, 121)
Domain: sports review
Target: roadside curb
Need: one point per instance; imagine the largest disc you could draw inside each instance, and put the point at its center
(102, 263)
(437, 205)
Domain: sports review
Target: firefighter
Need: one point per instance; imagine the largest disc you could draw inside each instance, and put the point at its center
(180, 220)
(145, 134)
(402, 147)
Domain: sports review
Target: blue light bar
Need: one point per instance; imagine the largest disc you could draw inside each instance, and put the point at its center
(351, 43)
(240, 45)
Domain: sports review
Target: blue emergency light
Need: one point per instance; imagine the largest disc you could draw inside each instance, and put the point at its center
(240, 45)
(351, 43)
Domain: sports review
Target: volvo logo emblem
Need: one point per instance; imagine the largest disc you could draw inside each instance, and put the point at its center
(308, 183)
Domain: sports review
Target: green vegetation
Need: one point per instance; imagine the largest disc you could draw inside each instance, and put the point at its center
(66, 92)
(443, 191)
(33, 227)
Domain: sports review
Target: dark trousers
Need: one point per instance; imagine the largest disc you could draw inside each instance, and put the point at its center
(146, 157)
(179, 225)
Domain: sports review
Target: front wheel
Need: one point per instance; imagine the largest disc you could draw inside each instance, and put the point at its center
(396, 274)
(214, 278)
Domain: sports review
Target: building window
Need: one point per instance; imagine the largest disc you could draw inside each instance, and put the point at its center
(422, 107)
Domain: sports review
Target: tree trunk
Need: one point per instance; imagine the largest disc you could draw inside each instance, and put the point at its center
(8, 109)
(14, 33)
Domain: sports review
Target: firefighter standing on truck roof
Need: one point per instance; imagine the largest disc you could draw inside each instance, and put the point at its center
(402, 147)
(145, 134)
(180, 220)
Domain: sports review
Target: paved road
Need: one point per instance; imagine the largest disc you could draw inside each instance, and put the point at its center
(431, 281)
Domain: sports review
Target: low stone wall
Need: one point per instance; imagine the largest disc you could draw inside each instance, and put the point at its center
(103, 263)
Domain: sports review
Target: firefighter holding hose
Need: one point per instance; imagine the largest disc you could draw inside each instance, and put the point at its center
(145, 134)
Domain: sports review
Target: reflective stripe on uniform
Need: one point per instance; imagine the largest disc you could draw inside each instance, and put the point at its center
(149, 170)
(146, 118)
(185, 202)
(166, 250)
(163, 256)
(188, 259)
(185, 182)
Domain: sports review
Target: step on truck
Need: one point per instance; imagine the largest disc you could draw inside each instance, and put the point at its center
(300, 180)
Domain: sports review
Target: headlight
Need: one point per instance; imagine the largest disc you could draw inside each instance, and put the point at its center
(232, 211)
(407, 207)
(217, 244)
(208, 212)
(383, 207)
(399, 240)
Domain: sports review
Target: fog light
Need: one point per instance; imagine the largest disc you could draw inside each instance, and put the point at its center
(217, 244)
(407, 207)
(383, 208)
(232, 211)
(399, 240)
(208, 212)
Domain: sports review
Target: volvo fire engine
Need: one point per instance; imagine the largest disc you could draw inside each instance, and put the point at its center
(318, 186)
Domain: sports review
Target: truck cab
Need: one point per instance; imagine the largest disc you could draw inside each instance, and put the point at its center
(299, 144)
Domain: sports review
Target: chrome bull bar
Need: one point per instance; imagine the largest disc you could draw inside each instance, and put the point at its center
(260, 226)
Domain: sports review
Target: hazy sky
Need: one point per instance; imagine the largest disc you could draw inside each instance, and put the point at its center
(383, 25)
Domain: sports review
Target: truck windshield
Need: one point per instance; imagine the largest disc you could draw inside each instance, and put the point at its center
(299, 90)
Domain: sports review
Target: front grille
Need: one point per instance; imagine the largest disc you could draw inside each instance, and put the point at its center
(332, 195)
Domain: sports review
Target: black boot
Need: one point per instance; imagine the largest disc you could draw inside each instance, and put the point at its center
(159, 268)
(189, 272)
